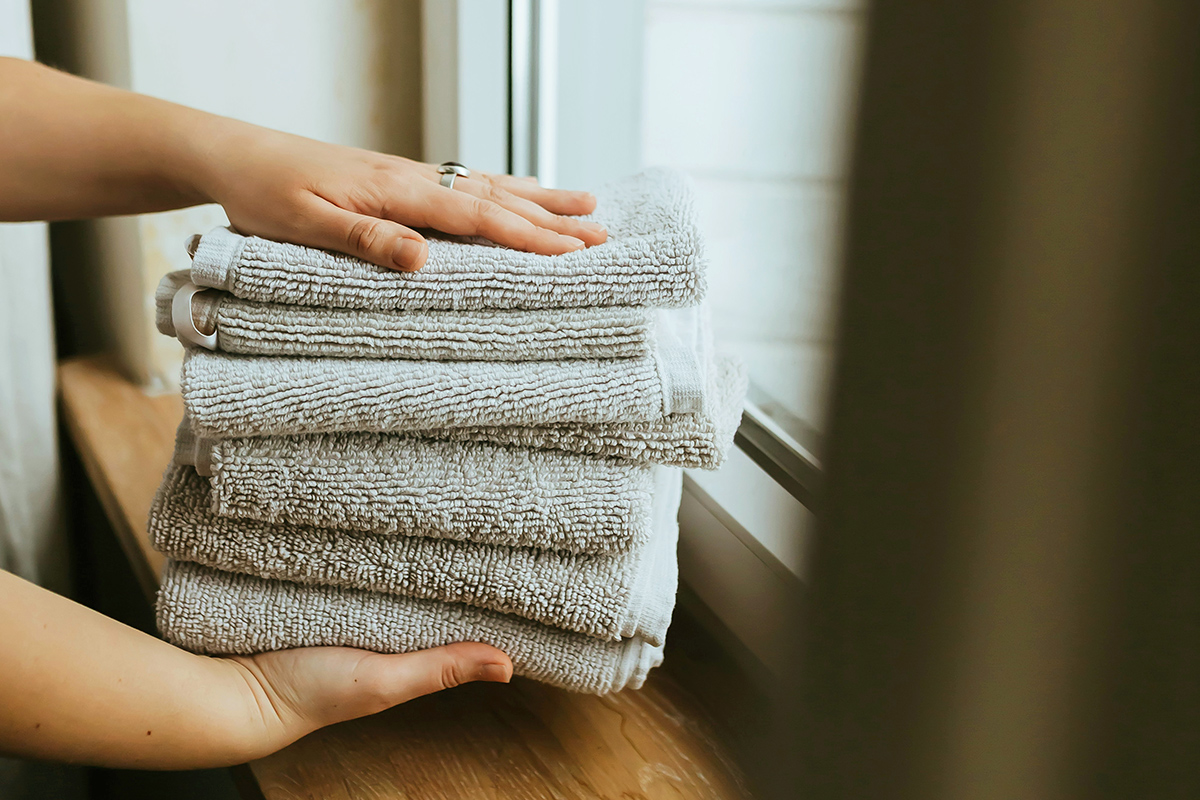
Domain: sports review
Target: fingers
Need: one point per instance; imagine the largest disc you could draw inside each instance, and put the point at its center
(395, 679)
(556, 201)
(464, 214)
(590, 233)
(380, 241)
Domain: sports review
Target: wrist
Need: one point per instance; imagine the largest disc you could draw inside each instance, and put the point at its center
(257, 720)
(201, 146)
(226, 722)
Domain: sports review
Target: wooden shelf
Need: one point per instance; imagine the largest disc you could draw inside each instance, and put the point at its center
(523, 741)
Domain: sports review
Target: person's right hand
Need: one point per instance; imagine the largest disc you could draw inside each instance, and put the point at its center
(290, 693)
(293, 189)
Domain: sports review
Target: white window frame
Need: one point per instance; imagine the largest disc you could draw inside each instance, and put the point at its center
(489, 102)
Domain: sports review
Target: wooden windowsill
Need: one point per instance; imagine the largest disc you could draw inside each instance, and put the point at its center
(523, 740)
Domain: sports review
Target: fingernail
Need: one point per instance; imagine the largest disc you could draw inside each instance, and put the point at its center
(595, 227)
(495, 673)
(575, 244)
(410, 256)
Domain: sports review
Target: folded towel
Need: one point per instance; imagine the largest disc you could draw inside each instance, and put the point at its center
(467, 491)
(653, 257)
(271, 329)
(209, 611)
(261, 396)
(682, 440)
(612, 597)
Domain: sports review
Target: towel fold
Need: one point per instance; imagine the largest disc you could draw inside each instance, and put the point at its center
(682, 440)
(653, 257)
(247, 327)
(227, 395)
(612, 597)
(466, 491)
(209, 611)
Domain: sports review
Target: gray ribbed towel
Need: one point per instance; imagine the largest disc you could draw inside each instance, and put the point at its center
(613, 597)
(467, 491)
(229, 395)
(653, 257)
(248, 327)
(682, 440)
(210, 611)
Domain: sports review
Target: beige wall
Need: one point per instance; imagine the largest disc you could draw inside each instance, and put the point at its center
(345, 72)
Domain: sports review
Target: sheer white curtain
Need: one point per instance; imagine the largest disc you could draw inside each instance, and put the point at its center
(31, 529)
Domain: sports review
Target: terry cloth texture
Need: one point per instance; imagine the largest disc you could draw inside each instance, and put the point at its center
(247, 327)
(467, 491)
(227, 395)
(612, 597)
(210, 611)
(683, 440)
(653, 257)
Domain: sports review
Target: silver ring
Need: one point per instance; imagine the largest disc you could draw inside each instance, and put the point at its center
(451, 170)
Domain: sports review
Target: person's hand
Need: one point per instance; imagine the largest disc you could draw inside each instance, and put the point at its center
(286, 187)
(290, 693)
(70, 148)
(78, 686)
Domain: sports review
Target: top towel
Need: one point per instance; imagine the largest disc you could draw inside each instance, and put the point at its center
(653, 257)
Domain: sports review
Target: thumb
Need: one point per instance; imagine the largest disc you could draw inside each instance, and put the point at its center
(379, 241)
(377, 681)
(395, 679)
(310, 687)
(293, 692)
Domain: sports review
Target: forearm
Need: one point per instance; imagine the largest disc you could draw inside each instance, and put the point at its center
(71, 148)
(78, 686)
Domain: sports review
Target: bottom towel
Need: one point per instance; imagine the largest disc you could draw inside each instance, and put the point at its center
(608, 596)
(209, 611)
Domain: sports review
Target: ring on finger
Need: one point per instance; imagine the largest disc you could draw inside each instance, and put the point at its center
(450, 170)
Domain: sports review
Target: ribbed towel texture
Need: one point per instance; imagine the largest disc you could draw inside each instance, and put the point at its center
(606, 596)
(247, 327)
(653, 257)
(211, 611)
(485, 450)
(226, 395)
(467, 491)
(680, 440)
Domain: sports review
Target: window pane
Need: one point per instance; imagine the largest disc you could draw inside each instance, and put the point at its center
(755, 101)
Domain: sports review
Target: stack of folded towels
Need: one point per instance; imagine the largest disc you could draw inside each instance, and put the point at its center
(487, 450)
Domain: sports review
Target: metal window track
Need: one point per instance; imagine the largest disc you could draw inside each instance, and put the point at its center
(777, 449)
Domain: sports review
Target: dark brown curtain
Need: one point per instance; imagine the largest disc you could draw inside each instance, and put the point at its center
(1004, 597)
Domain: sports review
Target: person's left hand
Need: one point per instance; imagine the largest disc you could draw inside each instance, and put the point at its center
(286, 187)
(290, 693)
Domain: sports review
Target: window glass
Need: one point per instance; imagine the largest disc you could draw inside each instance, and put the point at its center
(754, 100)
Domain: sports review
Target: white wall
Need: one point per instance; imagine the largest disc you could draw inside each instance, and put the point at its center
(755, 100)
